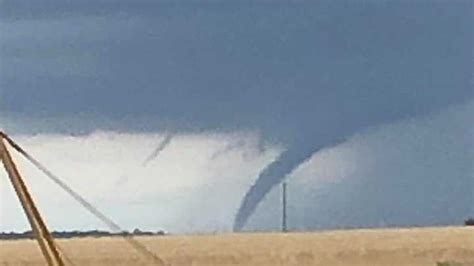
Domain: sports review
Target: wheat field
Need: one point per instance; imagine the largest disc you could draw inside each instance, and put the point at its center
(409, 246)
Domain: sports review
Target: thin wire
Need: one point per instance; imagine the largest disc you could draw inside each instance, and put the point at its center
(101, 216)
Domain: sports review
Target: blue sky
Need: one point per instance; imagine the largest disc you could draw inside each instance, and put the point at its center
(298, 76)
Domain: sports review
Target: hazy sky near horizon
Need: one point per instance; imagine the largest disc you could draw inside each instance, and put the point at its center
(417, 171)
(238, 83)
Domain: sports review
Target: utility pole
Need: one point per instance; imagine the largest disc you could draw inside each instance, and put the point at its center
(283, 216)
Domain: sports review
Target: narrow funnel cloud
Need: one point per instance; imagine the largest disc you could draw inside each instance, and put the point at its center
(271, 176)
(163, 144)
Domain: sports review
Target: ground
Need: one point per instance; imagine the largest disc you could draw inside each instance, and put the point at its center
(409, 246)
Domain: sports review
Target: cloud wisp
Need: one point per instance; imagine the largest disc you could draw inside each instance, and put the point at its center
(163, 144)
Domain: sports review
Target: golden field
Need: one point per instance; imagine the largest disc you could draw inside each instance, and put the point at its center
(409, 246)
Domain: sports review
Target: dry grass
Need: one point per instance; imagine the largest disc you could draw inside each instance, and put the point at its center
(417, 246)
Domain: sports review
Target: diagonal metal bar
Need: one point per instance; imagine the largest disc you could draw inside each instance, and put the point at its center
(96, 212)
(40, 231)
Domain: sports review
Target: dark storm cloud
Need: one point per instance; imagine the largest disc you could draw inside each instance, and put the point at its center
(306, 75)
(215, 66)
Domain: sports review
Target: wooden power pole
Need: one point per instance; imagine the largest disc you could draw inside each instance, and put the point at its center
(40, 231)
(283, 215)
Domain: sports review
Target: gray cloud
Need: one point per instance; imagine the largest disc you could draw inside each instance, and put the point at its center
(304, 75)
(271, 67)
(414, 172)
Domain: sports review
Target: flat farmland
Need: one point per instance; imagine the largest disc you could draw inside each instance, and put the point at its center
(408, 246)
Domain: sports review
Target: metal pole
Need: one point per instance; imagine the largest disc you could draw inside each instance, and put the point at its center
(40, 231)
(283, 216)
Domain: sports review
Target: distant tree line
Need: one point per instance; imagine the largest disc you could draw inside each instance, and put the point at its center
(71, 234)
(469, 221)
